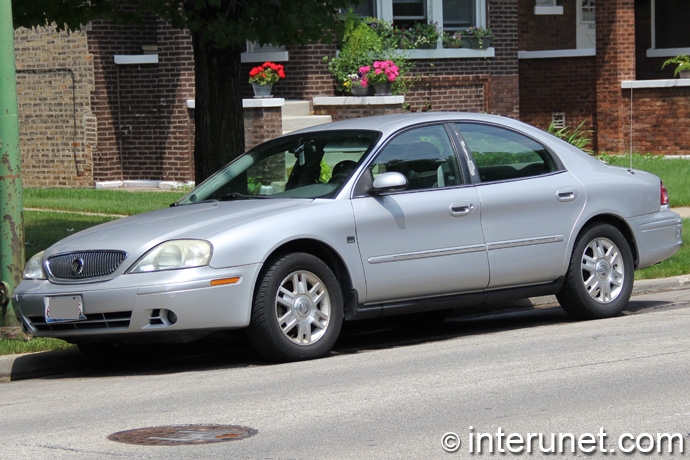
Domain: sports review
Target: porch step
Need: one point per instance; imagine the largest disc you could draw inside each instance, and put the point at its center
(296, 115)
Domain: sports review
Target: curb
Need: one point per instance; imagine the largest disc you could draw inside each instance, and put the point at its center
(47, 363)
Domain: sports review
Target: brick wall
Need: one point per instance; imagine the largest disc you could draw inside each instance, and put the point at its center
(661, 117)
(565, 85)
(615, 62)
(144, 125)
(57, 133)
(261, 124)
(547, 32)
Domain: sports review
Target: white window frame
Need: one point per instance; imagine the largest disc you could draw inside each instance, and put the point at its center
(662, 52)
(435, 13)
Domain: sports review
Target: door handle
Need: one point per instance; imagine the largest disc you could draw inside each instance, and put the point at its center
(461, 208)
(566, 194)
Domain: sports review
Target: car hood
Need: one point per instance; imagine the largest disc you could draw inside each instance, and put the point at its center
(142, 231)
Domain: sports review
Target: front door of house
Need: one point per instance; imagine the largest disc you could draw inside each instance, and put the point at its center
(586, 25)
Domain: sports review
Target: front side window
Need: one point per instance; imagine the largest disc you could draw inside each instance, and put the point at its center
(423, 155)
(314, 165)
(500, 154)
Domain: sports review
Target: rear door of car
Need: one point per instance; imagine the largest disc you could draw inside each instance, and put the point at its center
(530, 204)
(426, 240)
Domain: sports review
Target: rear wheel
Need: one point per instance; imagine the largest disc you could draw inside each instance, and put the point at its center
(298, 309)
(600, 276)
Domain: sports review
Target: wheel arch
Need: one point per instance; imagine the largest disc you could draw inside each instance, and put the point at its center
(621, 225)
(318, 249)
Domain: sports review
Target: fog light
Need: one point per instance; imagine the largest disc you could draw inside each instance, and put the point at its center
(172, 317)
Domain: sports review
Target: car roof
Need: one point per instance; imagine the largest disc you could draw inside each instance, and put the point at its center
(391, 123)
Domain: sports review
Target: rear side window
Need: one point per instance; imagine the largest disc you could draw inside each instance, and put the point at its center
(500, 154)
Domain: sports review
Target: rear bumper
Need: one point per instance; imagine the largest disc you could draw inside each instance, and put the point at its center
(658, 236)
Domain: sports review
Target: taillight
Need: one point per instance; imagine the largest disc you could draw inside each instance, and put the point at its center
(664, 195)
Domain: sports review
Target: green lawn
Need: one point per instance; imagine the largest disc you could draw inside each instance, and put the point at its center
(675, 173)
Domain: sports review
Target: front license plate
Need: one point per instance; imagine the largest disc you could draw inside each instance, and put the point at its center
(64, 308)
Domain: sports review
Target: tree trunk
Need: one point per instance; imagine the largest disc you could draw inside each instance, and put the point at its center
(218, 113)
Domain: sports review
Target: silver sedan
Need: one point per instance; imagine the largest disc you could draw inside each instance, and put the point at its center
(358, 219)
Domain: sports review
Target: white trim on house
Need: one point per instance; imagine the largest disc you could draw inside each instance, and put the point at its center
(358, 100)
(668, 83)
(121, 59)
(548, 54)
(666, 52)
(250, 103)
(548, 10)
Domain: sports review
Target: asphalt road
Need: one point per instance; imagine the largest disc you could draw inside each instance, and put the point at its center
(386, 393)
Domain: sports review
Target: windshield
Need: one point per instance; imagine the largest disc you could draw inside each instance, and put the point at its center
(312, 165)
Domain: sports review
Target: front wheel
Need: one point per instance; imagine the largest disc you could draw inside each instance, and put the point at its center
(600, 276)
(298, 309)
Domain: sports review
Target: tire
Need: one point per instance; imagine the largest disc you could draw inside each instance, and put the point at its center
(599, 280)
(297, 312)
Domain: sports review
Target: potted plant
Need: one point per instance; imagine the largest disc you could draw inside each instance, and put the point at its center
(381, 74)
(263, 78)
(682, 63)
(452, 40)
(476, 37)
(357, 84)
(421, 36)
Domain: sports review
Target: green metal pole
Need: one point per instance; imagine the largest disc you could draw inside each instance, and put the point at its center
(11, 218)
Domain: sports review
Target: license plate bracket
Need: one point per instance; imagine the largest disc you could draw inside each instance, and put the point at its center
(64, 308)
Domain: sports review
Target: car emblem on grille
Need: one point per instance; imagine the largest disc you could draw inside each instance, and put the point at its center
(77, 266)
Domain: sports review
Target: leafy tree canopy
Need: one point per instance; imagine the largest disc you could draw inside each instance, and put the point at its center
(224, 23)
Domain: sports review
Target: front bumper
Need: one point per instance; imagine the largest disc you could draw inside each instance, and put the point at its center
(162, 303)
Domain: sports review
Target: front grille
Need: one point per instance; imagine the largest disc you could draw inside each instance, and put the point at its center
(112, 320)
(84, 265)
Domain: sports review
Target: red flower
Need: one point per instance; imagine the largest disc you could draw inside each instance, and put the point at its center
(267, 74)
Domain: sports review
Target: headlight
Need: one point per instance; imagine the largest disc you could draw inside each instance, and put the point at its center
(34, 268)
(175, 254)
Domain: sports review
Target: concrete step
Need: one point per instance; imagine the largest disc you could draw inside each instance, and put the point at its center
(296, 109)
(296, 115)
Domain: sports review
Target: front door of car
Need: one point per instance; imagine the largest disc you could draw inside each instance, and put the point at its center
(426, 240)
(530, 204)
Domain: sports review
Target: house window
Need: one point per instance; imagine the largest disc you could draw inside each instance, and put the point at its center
(365, 9)
(671, 23)
(458, 14)
(408, 12)
(454, 14)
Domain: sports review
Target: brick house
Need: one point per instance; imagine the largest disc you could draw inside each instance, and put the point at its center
(114, 103)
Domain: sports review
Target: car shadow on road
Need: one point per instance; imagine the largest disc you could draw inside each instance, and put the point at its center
(231, 350)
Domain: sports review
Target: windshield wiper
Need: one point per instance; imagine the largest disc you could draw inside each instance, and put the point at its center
(239, 196)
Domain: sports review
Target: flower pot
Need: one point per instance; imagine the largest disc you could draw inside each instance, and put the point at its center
(453, 44)
(261, 91)
(383, 89)
(481, 43)
(684, 73)
(359, 90)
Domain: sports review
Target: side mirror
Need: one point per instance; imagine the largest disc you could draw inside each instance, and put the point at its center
(389, 182)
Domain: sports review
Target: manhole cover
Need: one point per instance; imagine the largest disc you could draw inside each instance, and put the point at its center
(179, 435)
